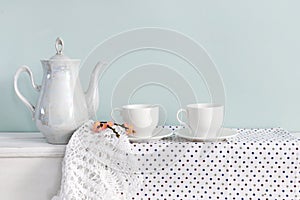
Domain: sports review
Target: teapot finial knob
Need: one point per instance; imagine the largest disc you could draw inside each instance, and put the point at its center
(59, 46)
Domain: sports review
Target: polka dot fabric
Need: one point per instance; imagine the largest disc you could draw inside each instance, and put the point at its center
(256, 164)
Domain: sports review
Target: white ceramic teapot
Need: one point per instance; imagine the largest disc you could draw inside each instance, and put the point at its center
(62, 105)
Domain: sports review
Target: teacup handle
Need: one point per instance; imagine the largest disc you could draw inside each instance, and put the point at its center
(113, 111)
(180, 121)
(26, 69)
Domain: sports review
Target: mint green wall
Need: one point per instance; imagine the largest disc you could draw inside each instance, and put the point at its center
(255, 44)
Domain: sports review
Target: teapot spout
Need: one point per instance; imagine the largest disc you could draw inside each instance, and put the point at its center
(92, 93)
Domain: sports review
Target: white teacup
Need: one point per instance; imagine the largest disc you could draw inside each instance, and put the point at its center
(204, 120)
(143, 117)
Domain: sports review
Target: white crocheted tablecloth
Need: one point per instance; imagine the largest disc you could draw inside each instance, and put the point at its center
(256, 164)
(98, 166)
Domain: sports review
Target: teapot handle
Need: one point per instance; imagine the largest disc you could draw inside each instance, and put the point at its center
(26, 69)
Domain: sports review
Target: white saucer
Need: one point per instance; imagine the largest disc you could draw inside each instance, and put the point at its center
(158, 134)
(224, 133)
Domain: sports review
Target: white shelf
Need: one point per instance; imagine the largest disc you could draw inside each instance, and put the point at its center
(28, 144)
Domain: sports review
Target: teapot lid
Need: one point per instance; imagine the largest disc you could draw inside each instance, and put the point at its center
(59, 46)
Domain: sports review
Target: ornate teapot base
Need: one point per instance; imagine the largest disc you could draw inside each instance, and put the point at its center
(60, 132)
(58, 138)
